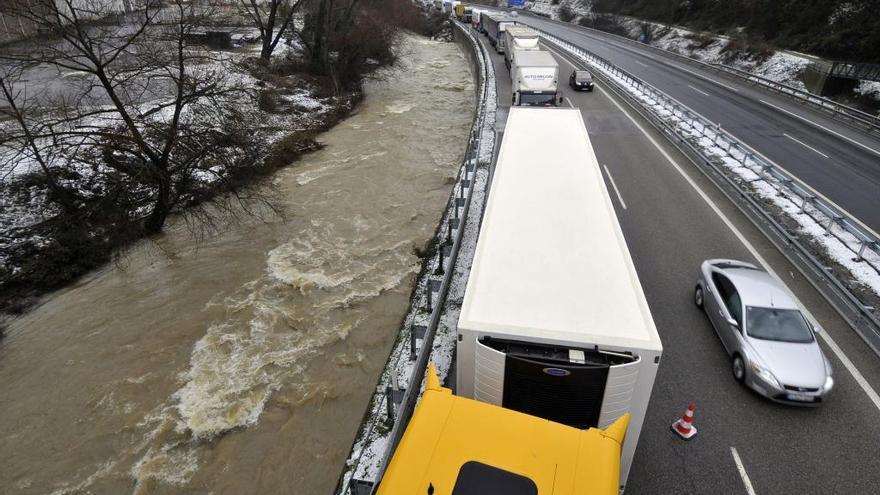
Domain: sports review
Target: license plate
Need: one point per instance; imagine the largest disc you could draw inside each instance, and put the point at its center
(800, 397)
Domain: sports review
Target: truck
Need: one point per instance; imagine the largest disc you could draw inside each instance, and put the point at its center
(554, 321)
(534, 78)
(518, 38)
(455, 445)
(463, 13)
(475, 18)
(495, 25)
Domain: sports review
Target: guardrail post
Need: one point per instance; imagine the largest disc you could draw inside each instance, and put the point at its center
(805, 202)
(393, 396)
(416, 332)
(860, 254)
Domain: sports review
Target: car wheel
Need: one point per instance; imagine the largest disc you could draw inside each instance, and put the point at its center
(698, 296)
(738, 367)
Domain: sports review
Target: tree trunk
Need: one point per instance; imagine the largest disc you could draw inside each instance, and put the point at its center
(266, 51)
(320, 54)
(161, 209)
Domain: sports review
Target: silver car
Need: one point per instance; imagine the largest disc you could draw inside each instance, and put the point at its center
(772, 346)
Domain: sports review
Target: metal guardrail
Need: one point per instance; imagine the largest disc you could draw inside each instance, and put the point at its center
(401, 403)
(861, 120)
(835, 222)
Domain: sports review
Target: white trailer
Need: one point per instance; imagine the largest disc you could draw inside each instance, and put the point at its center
(534, 78)
(494, 25)
(519, 38)
(554, 321)
(475, 18)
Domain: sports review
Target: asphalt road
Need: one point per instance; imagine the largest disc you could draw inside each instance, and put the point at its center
(817, 149)
(670, 228)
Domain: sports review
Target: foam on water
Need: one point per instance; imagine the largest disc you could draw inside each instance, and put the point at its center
(269, 333)
(274, 341)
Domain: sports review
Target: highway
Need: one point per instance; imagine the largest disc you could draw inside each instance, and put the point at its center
(673, 218)
(837, 161)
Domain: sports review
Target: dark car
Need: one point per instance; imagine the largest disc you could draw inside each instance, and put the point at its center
(581, 80)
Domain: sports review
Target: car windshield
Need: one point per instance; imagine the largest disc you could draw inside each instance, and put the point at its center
(783, 325)
(582, 76)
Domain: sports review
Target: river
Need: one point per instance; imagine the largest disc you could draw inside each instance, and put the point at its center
(243, 363)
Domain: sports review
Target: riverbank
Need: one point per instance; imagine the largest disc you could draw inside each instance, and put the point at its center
(243, 364)
(282, 109)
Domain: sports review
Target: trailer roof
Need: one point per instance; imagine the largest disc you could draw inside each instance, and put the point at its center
(500, 17)
(520, 31)
(551, 262)
(535, 58)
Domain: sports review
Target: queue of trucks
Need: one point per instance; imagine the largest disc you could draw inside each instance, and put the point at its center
(556, 349)
(534, 73)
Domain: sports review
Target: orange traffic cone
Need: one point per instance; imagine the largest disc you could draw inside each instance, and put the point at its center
(683, 426)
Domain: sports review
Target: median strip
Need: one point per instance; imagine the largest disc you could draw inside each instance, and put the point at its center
(825, 242)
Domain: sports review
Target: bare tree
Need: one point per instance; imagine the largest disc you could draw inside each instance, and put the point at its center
(158, 115)
(272, 18)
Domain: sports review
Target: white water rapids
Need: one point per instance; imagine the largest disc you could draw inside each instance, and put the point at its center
(243, 364)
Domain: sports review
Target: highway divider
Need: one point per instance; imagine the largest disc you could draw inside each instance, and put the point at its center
(853, 116)
(392, 405)
(835, 252)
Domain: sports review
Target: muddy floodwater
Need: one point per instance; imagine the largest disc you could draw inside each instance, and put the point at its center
(243, 364)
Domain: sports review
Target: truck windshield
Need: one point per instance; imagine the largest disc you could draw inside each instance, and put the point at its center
(783, 325)
(538, 100)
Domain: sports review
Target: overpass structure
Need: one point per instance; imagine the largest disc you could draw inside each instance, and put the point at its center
(830, 77)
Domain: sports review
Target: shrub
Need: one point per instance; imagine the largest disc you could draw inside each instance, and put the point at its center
(566, 14)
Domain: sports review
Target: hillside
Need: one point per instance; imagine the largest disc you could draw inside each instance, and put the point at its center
(836, 29)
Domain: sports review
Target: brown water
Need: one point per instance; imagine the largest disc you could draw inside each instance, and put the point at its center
(243, 365)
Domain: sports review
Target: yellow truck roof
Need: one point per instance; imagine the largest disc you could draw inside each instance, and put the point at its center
(458, 446)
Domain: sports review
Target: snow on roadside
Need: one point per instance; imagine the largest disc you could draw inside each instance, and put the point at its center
(23, 207)
(781, 66)
(369, 448)
(837, 245)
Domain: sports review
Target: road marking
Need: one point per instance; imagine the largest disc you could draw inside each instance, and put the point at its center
(614, 185)
(569, 102)
(742, 472)
(643, 65)
(856, 374)
(756, 152)
(664, 62)
(820, 126)
(698, 90)
(805, 145)
(713, 81)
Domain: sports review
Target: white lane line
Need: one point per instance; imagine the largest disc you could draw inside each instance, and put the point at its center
(805, 145)
(699, 90)
(808, 187)
(614, 185)
(820, 126)
(856, 374)
(742, 472)
(569, 102)
(758, 153)
(695, 74)
(643, 65)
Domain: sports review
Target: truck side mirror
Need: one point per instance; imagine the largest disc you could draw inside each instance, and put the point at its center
(559, 100)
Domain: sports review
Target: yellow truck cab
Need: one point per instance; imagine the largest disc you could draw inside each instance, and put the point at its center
(459, 446)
